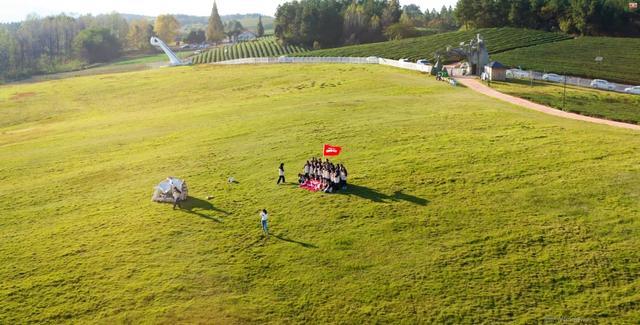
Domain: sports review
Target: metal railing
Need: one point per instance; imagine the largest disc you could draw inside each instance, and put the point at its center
(560, 80)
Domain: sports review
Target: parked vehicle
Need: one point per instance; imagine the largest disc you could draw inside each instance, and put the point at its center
(517, 73)
(633, 90)
(602, 84)
(404, 60)
(423, 62)
(552, 77)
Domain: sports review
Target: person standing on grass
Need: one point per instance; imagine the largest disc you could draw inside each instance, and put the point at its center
(176, 197)
(281, 173)
(264, 217)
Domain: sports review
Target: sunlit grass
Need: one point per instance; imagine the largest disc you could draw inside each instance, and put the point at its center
(461, 209)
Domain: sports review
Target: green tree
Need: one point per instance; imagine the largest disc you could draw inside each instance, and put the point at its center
(233, 28)
(215, 28)
(97, 45)
(260, 27)
(195, 37)
(391, 14)
(355, 23)
(400, 31)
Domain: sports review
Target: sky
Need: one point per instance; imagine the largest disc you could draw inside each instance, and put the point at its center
(17, 10)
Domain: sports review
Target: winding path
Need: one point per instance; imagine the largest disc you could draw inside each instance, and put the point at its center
(478, 86)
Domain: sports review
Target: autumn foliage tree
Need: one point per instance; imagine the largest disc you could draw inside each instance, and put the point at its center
(166, 28)
(215, 28)
(140, 32)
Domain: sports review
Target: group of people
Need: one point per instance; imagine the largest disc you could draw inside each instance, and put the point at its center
(323, 176)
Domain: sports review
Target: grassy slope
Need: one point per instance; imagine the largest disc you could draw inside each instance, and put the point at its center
(577, 57)
(598, 103)
(497, 40)
(464, 209)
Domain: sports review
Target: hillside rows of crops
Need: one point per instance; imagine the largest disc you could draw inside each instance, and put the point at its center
(577, 57)
(263, 47)
(497, 40)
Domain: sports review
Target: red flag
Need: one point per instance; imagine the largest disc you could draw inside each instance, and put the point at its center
(331, 151)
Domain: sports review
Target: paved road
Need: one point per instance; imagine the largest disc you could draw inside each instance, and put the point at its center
(478, 86)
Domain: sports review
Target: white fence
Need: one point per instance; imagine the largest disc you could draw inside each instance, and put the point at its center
(560, 79)
(370, 60)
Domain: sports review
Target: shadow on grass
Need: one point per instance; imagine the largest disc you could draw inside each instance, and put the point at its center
(195, 206)
(375, 196)
(288, 240)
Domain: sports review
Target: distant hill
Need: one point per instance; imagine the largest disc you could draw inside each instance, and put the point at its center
(188, 22)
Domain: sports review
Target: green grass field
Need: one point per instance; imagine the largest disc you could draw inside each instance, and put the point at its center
(154, 58)
(461, 208)
(497, 40)
(577, 58)
(591, 102)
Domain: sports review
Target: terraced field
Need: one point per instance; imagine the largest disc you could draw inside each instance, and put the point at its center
(263, 47)
(576, 57)
(497, 39)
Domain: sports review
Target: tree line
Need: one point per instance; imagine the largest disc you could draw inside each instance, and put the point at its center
(59, 43)
(330, 23)
(581, 17)
(51, 44)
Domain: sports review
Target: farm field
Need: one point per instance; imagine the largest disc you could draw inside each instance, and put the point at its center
(460, 209)
(263, 47)
(576, 57)
(497, 40)
(591, 102)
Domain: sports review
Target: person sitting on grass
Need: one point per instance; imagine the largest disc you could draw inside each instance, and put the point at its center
(302, 178)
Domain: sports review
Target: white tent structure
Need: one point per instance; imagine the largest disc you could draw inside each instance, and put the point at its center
(164, 191)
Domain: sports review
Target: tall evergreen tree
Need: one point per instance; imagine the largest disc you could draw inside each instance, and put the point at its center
(215, 29)
(260, 27)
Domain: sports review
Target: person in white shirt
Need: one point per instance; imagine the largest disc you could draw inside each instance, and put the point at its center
(281, 174)
(264, 217)
(307, 168)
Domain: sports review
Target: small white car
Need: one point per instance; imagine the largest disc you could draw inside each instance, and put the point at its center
(552, 77)
(517, 73)
(423, 62)
(633, 90)
(602, 84)
(404, 60)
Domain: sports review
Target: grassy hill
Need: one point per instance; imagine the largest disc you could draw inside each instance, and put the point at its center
(590, 102)
(577, 57)
(497, 40)
(461, 208)
(262, 47)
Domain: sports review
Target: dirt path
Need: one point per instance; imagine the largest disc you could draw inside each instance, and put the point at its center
(478, 86)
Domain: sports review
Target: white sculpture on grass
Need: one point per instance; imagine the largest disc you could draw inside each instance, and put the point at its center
(173, 58)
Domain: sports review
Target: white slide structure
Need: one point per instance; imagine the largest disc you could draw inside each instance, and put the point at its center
(173, 58)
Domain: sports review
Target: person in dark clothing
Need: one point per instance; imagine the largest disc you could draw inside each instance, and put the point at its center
(176, 197)
(281, 174)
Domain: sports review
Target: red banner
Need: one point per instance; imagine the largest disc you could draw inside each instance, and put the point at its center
(331, 151)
